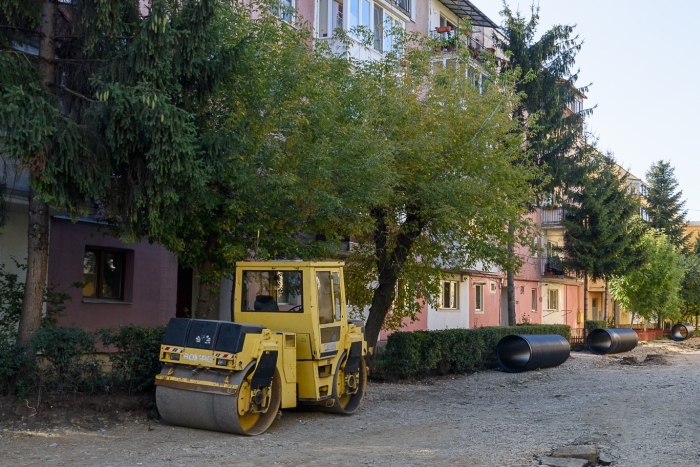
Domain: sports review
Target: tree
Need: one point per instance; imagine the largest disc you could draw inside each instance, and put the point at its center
(653, 290)
(103, 111)
(288, 160)
(603, 232)
(664, 206)
(450, 176)
(547, 88)
(690, 293)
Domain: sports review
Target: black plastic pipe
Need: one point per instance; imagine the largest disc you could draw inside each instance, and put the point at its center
(524, 352)
(612, 340)
(681, 332)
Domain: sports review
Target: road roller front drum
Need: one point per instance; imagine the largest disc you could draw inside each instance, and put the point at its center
(245, 411)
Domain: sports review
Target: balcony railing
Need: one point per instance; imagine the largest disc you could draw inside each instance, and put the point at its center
(552, 216)
(403, 5)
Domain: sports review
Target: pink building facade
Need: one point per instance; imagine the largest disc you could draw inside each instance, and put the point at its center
(122, 283)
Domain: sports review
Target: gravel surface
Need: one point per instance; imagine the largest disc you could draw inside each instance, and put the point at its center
(642, 414)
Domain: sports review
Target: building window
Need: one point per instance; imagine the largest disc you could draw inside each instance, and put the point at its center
(363, 17)
(450, 295)
(286, 10)
(479, 298)
(533, 306)
(553, 300)
(103, 274)
(330, 17)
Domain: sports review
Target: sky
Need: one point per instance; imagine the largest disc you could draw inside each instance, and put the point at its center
(639, 58)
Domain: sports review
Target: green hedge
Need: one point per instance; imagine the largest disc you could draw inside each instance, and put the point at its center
(452, 351)
(591, 324)
(66, 361)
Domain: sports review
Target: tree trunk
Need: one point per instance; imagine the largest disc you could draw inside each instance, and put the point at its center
(389, 263)
(37, 264)
(207, 296)
(585, 297)
(38, 232)
(510, 281)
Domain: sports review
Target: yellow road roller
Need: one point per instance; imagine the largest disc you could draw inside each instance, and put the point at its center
(290, 343)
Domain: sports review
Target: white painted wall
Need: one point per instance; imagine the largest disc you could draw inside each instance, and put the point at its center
(437, 9)
(451, 319)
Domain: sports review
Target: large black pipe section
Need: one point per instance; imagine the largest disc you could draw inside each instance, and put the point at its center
(681, 332)
(524, 352)
(608, 340)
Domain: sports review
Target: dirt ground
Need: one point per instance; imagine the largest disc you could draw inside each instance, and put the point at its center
(642, 414)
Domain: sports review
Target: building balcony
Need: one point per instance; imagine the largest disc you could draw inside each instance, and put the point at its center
(353, 49)
(552, 217)
(551, 266)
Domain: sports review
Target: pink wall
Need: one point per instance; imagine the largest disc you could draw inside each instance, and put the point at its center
(491, 315)
(523, 301)
(420, 324)
(150, 278)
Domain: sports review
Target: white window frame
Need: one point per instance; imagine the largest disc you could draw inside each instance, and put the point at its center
(347, 6)
(449, 297)
(533, 304)
(553, 293)
(479, 297)
(287, 15)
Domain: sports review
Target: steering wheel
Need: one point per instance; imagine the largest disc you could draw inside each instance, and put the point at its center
(295, 308)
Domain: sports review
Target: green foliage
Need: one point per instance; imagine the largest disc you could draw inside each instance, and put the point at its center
(14, 369)
(67, 359)
(11, 296)
(593, 324)
(135, 362)
(452, 351)
(653, 290)
(690, 291)
(665, 205)
(603, 231)
(433, 132)
(546, 62)
(11, 292)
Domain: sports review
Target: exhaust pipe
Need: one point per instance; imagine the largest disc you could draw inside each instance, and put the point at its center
(524, 352)
(609, 340)
(681, 332)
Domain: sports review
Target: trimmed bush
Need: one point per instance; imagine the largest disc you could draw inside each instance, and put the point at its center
(66, 360)
(11, 366)
(135, 364)
(451, 351)
(592, 324)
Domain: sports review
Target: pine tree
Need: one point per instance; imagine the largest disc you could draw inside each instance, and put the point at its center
(665, 205)
(103, 109)
(602, 226)
(548, 87)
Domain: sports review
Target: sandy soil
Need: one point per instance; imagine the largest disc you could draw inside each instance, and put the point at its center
(642, 414)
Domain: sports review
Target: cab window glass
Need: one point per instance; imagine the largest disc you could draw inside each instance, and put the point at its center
(272, 291)
(325, 297)
(336, 295)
